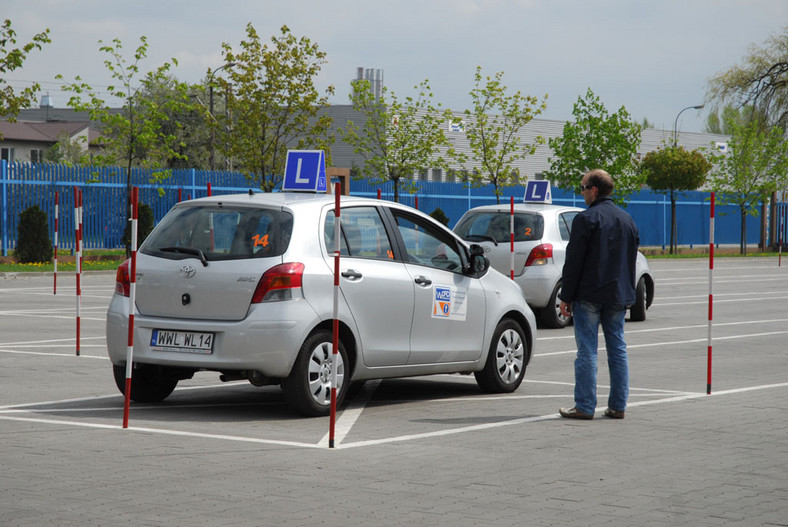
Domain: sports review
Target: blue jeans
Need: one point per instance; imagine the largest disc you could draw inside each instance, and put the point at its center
(587, 318)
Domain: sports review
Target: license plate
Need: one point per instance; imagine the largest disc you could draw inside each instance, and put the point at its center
(182, 341)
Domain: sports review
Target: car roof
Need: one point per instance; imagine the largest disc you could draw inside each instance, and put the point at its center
(525, 207)
(280, 199)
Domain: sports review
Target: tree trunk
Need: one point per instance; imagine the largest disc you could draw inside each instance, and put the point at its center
(743, 243)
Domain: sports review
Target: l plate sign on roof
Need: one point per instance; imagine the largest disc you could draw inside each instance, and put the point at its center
(305, 171)
(538, 192)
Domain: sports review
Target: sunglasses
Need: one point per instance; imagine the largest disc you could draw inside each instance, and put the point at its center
(585, 187)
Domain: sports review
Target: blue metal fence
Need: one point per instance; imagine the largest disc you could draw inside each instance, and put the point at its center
(104, 196)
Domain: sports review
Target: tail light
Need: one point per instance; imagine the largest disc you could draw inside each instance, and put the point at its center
(540, 255)
(282, 282)
(123, 279)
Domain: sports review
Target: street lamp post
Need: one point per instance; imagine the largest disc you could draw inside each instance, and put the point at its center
(210, 109)
(676, 122)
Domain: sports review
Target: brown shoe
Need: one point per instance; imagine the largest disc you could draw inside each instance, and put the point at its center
(614, 414)
(574, 413)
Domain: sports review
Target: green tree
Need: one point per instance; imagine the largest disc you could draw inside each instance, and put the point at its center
(759, 81)
(492, 127)
(139, 135)
(597, 139)
(68, 151)
(397, 138)
(672, 170)
(754, 167)
(12, 58)
(186, 123)
(273, 104)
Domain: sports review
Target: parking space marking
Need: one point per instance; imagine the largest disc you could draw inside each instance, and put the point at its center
(675, 342)
(677, 397)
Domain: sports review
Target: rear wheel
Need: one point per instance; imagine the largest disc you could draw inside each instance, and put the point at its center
(506, 361)
(149, 384)
(550, 316)
(637, 312)
(308, 387)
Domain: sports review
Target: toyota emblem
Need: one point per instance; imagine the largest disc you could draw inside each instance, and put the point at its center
(187, 271)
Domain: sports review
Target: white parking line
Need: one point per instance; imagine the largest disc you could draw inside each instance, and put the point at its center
(352, 416)
(675, 342)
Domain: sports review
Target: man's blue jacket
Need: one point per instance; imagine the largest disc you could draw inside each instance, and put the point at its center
(601, 256)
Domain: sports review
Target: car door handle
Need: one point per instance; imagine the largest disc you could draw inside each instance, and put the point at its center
(352, 274)
(422, 280)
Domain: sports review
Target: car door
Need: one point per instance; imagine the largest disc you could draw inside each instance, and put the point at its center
(377, 287)
(449, 307)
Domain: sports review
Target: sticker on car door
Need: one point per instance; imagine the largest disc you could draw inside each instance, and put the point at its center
(449, 303)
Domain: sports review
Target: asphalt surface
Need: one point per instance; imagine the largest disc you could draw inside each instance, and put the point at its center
(430, 450)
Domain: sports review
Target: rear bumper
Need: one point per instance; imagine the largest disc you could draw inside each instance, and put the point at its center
(267, 340)
(538, 284)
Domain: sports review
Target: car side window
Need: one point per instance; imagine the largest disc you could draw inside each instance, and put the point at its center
(425, 244)
(565, 224)
(362, 234)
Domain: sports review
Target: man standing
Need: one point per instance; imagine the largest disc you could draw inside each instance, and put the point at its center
(598, 284)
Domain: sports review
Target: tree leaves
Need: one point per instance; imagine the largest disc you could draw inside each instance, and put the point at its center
(597, 139)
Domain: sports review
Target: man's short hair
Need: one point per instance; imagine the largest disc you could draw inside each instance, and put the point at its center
(602, 181)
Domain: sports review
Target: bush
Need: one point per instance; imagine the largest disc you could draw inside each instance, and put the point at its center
(439, 215)
(33, 244)
(144, 226)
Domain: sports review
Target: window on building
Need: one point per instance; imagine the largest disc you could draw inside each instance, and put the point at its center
(539, 176)
(36, 156)
(7, 154)
(424, 174)
(437, 174)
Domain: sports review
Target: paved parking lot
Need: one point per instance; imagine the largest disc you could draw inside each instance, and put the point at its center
(413, 451)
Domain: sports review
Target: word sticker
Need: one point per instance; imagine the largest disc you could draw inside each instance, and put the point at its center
(448, 303)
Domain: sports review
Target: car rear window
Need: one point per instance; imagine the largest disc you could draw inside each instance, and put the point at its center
(221, 233)
(495, 225)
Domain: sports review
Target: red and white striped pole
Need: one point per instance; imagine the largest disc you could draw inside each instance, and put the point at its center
(711, 294)
(78, 262)
(511, 234)
(335, 338)
(57, 215)
(210, 192)
(378, 193)
(132, 295)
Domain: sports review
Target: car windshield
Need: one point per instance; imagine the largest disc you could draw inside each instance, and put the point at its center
(495, 225)
(220, 232)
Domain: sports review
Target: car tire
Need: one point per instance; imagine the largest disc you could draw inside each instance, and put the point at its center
(637, 312)
(550, 316)
(149, 384)
(507, 359)
(308, 387)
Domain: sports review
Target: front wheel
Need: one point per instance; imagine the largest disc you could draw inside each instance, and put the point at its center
(308, 387)
(149, 384)
(504, 369)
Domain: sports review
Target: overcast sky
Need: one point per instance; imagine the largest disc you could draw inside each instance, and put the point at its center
(652, 56)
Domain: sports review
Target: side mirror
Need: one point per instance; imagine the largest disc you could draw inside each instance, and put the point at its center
(478, 262)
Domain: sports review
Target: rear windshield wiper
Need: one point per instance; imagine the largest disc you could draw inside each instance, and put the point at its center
(187, 250)
(481, 237)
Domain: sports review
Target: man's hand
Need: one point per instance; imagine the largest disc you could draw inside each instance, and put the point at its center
(566, 309)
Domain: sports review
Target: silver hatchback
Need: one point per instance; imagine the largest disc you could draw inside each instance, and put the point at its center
(243, 285)
(541, 234)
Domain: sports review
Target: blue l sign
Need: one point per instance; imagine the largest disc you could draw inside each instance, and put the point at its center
(538, 192)
(305, 171)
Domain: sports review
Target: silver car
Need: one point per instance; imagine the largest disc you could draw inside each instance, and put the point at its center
(243, 285)
(541, 234)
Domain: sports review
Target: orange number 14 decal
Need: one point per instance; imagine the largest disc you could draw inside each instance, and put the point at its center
(260, 240)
